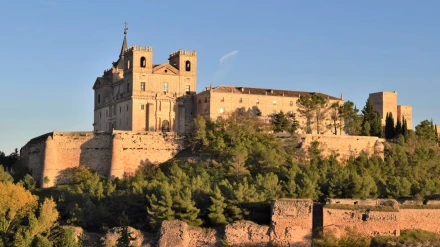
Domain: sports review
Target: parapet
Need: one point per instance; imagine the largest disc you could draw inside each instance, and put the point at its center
(183, 52)
(139, 48)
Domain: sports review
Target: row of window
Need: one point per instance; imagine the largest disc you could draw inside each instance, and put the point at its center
(242, 110)
(143, 64)
(222, 99)
(165, 87)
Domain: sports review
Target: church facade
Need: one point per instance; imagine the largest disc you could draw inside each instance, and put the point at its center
(137, 95)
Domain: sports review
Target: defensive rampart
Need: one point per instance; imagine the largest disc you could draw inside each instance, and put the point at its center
(111, 154)
(345, 146)
(384, 217)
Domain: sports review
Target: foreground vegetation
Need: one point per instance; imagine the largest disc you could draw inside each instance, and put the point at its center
(236, 168)
(406, 238)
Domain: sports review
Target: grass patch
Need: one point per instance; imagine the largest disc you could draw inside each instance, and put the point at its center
(363, 208)
(412, 237)
(430, 206)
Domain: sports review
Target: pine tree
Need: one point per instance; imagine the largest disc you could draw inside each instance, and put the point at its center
(404, 128)
(160, 204)
(125, 235)
(280, 122)
(399, 128)
(217, 208)
(185, 208)
(389, 126)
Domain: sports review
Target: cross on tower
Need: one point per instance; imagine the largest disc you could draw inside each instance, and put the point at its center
(125, 27)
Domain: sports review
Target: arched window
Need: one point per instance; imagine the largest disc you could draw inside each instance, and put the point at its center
(188, 66)
(165, 126)
(143, 62)
(128, 64)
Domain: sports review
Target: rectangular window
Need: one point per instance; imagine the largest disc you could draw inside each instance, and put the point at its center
(187, 88)
(128, 87)
(142, 107)
(127, 107)
(100, 115)
(142, 86)
(165, 87)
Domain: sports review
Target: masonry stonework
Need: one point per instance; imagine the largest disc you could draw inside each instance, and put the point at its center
(345, 146)
(291, 222)
(223, 101)
(423, 218)
(386, 102)
(111, 154)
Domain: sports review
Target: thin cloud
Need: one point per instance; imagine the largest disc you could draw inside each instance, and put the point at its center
(228, 55)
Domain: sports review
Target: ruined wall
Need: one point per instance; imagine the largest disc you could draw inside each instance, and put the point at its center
(246, 233)
(345, 146)
(291, 222)
(367, 223)
(111, 154)
(423, 218)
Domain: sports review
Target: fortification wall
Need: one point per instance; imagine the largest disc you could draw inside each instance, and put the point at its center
(425, 219)
(291, 222)
(141, 148)
(32, 154)
(367, 223)
(111, 154)
(345, 146)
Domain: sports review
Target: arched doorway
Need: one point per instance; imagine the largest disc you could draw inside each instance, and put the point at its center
(165, 126)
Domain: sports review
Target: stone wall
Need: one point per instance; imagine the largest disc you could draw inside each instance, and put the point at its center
(423, 218)
(112, 154)
(364, 222)
(345, 146)
(405, 111)
(291, 222)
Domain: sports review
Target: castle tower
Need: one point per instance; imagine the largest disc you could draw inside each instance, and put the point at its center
(384, 102)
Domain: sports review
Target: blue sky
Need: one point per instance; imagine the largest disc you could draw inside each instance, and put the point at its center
(53, 50)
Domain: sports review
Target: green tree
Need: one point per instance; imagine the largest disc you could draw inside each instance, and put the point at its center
(217, 208)
(426, 130)
(4, 176)
(352, 122)
(125, 237)
(314, 108)
(371, 122)
(280, 122)
(336, 115)
(160, 204)
(389, 126)
(185, 208)
(399, 128)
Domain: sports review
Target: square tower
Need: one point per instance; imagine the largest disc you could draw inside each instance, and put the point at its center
(405, 111)
(384, 102)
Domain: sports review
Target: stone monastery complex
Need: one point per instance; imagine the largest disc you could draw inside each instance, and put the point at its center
(142, 112)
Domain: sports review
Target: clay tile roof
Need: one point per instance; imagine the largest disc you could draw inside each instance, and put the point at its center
(265, 91)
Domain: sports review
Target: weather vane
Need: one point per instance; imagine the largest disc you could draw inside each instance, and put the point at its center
(125, 27)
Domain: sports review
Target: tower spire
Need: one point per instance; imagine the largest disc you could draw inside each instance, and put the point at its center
(119, 64)
(124, 43)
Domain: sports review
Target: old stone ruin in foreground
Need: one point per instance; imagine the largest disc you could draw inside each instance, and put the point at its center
(294, 221)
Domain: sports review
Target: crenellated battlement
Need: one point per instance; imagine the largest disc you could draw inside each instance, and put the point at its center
(139, 48)
(183, 52)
